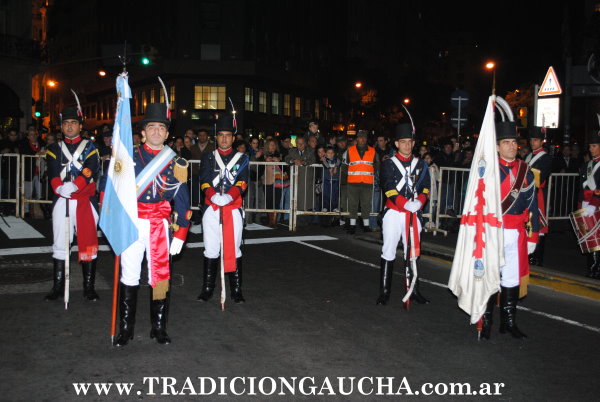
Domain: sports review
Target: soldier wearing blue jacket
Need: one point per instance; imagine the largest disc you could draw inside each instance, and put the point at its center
(405, 181)
(521, 223)
(224, 177)
(161, 180)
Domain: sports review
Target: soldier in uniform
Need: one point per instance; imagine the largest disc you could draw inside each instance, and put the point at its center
(160, 179)
(223, 179)
(405, 182)
(540, 164)
(589, 195)
(521, 222)
(72, 170)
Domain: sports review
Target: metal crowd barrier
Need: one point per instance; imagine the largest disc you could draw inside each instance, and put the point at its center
(563, 191)
(9, 181)
(452, 187)
(269, 186)
(24, 183)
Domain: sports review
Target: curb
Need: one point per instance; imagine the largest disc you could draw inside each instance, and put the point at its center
(546, 277)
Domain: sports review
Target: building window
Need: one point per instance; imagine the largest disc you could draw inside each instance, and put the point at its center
(161, 96)
(275, 103)
(317, 111)
(262, 102)
(152, 95)
(144, 101)
(297, 103)
(249, 99)
(209, 97)
(172, 96)
(286, 105)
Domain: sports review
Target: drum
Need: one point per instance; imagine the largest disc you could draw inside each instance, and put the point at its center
(587, 230)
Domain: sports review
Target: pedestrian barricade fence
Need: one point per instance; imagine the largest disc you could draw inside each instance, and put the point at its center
(312, 193)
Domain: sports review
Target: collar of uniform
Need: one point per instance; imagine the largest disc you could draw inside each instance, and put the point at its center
(597, 159)
(402, 158)
(150, 150)
(72, 140)
(537, 151)
(225, 152)
(506, 163)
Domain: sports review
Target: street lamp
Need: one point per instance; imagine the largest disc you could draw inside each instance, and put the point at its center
(102, 73)
(358, 85)
(491, 66)
(52, 83)
(406, 101)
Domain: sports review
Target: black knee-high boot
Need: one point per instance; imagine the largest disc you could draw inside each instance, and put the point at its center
(508, 312)
(128, 307)
(385, 281)
(159, 311)
(235, 283)
(89, 278)
(58, 288)
(209, 278)
(488, 317)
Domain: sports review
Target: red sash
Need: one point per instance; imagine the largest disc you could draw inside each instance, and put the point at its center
(87, 234)
(415, 243)
(156, 213)
(542, 207)
(229, 257)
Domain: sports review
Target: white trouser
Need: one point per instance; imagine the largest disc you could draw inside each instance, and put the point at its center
(132, 257)
(394, 230)
(58, 225)
(509, 272)
(212, 235)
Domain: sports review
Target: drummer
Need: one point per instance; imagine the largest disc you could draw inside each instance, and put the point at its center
(589, 197)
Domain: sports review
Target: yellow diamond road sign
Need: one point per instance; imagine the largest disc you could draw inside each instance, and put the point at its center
(550, 86)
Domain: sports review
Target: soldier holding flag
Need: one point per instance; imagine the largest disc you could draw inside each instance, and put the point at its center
(520, 217)
(405, 181)
(72, 169)
(223, 179)
(540, 163)
(160, 179)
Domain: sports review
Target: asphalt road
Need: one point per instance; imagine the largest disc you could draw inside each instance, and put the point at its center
(310, 313)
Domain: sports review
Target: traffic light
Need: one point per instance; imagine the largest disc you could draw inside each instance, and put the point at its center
(148, 56)
(39, 109)
(523, 116)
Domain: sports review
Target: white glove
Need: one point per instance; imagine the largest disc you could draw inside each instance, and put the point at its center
(176, 245)
(221, 200)
(413, 206)
(531, 247)
(67, 189)
(589, 210)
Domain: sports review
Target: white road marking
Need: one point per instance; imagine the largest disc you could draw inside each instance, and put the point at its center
(442, 285)
(17, 228)
(103, 247)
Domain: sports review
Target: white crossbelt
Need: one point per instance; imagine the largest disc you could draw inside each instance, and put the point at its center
(590, 182)
(72, 159)
(225, 171)
(532, 159)
(406, 173)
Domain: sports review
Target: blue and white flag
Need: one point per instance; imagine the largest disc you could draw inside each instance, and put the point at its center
(119, 207)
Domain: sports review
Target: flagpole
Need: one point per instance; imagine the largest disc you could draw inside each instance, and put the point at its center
(115, 298)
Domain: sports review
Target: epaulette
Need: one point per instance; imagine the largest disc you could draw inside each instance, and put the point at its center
(181, 169)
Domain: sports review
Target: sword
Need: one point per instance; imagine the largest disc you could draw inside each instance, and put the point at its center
(67, 243)
(410, 277)
(222, 176)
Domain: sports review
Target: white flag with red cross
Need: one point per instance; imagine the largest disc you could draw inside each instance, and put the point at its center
(479, 254)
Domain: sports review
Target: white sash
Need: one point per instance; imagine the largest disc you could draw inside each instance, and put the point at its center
(590, 182)
(406, 173)
(72, 159)
(532, 159)
(225, 171)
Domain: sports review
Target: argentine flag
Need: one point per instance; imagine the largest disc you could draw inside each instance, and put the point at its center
(119, 207)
